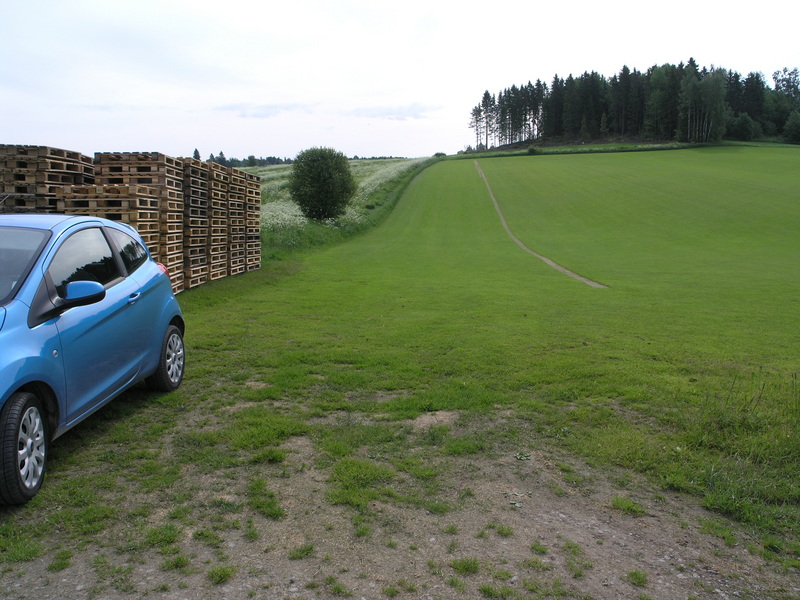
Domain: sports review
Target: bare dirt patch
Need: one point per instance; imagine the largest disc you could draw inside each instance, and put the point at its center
(439, 417)
(523, 524)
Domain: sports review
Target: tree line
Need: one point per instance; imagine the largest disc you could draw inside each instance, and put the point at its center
(668, 102)
(250, 161)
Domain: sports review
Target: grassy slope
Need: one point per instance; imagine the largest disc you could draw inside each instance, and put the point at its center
(700, 250)
(683, 368)
(698, 328)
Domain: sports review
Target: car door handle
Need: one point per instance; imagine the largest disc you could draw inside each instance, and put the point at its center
(134, 297)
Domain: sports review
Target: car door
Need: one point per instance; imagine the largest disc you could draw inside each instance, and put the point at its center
(101, 343)
(147, 311)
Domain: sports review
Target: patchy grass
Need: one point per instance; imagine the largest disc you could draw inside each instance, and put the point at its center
(637, 578)
(465, 566)
(628, 506)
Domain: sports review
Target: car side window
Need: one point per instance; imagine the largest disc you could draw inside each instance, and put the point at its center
(132, 252)
(84, 256)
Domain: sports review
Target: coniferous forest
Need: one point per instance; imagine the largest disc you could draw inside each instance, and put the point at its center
(669, 102)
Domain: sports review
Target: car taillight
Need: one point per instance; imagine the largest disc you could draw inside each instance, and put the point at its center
(163, 269)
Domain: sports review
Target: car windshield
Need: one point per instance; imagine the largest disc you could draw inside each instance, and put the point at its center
(18, 249)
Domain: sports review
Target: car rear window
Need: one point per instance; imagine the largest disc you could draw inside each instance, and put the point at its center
(19, 248)
(132, 252)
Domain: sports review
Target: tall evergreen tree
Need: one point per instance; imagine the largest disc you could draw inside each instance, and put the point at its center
(788, 83)
(554, 109)
(754, 93)
(662, 103)
(476, 123)
(571, 116)
(488, 106)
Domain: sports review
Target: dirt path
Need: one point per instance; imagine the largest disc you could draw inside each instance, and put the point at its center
(519, 242)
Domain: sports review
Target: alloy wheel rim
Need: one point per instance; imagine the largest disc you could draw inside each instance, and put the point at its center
(31, 448)
(175, 358)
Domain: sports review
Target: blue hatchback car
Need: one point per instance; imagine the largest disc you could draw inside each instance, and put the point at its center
(85, 313)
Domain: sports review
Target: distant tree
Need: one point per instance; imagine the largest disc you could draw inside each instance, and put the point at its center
(553, 119)
(788, 83)
(703, 110)
(754, 92)
(321, 183)
(791, 130)
(251, 161)
(716, 112)
(734, 94)
(196, 154)
(476, 123)
(604, 125)
(743, 128)
(661, 122)
(220, 159)
(571, 116)
(627, 102)
(211, 158)
(488, 109)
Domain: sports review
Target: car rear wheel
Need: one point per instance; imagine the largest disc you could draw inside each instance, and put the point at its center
(23, 443)
(171, 364)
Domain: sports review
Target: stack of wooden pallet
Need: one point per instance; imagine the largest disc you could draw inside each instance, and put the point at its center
(195, 222)
(237, 192)
(201, 220)
(218, 232)
(165, 174)
(252, 219)
(31, 174)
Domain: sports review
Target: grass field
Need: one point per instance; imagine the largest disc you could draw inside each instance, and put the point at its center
(698, 329)
(684, 369)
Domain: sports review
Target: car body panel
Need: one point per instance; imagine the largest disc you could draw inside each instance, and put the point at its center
(95, 372)
(87, 354)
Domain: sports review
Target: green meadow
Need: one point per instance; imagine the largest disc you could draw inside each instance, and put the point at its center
(682, 369)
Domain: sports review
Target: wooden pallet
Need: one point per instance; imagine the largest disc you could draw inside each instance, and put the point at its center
(114, 203)
(102, 158)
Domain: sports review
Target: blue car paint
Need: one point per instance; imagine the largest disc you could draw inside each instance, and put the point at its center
(116, 341)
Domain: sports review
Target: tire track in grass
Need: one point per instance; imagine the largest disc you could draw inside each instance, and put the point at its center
(519, 242)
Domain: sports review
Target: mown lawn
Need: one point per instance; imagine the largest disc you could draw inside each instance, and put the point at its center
(698, 329)
(685, 367)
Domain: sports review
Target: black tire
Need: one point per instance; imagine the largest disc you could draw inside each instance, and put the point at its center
(23, 448)
(171, 363)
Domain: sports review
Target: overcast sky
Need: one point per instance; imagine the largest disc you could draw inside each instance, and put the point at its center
(365, 77)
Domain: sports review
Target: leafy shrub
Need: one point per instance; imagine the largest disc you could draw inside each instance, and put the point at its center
(321, 183)
(791, 131)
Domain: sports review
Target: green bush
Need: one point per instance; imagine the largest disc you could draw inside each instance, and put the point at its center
(321, 183)
(791, 131)
(744, 128)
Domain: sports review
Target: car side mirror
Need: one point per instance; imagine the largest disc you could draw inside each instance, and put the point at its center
(81, 293)
(47, 305)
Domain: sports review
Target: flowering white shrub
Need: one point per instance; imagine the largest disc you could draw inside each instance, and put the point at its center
(281, 214)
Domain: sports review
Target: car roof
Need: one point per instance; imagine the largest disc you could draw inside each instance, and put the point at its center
(35, 220)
